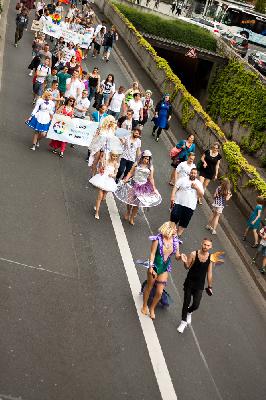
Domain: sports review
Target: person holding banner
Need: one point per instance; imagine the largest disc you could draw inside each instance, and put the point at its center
(105, 179)
(68, 110)
(40, 118)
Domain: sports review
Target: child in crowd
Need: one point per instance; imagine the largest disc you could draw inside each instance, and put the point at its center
(221, 196)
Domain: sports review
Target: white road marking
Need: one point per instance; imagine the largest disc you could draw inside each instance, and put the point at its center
(154, 348)
(36, 268)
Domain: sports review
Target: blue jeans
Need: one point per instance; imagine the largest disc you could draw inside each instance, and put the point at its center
(92, 91)
(114, 113)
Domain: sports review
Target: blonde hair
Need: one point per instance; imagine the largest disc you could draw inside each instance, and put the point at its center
(168, 229)
(46, 94)
(109, 122)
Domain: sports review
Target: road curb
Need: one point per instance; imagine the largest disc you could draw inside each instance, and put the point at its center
(3, 25)
(258, 279)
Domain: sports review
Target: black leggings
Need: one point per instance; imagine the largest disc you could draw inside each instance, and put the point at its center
(124, 168)
(188, 293)
(159, 131)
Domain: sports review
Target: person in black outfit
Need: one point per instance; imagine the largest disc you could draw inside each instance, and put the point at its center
(109, 39)
(199, 265)
(22, 20)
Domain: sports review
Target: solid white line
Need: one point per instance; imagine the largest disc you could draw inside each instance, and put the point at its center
(155, 351)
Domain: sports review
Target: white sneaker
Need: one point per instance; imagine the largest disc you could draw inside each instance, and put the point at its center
(33, 147)
(182, 327)
(31, 73)
(189, 318)
(37, 145)
(214, 232)
(208, 227)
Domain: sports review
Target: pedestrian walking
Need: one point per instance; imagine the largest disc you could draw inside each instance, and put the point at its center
(108, 88)
(136, 106)
(147, 103)
(221, 196)
(131, 152)
(163, 112)
(104, 180)
(63, 76)
(184, 168)
(98, 42)
(126, 122)
(180, 153)
(94, 80)
(261, 249)
(133, 89)
(110, 38)
(199, 265)
(73, 86)
(58, 147)
(254, 221)
(42, 72)
(22, 20)
(82, 105)
(117, 102)
(164, 246)
(138, 188)
(184, 198)
(40, 118)
(208, 166)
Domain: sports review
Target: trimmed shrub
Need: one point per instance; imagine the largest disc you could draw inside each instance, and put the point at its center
(179, 31)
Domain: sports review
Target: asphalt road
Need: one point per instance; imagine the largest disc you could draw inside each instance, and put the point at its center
(69, 327)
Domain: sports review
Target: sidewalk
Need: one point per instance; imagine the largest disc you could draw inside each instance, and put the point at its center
(232, 221)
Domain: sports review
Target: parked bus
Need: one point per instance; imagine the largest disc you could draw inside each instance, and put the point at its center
(241, 20)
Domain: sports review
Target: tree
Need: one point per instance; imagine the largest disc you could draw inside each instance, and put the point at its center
(260, 6)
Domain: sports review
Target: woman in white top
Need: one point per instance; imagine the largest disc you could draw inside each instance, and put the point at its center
(108, 88)
(116, 102)
(59, 9)
(136, 105)
(184, 168)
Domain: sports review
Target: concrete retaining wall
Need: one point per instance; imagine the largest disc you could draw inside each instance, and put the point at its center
(203, 134)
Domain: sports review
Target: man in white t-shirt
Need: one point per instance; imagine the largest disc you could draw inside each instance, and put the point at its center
(136, 105)
(184, 200)
(82, 105)
(73, 86)
(131, 152)
(66, 53)
(184, 168)
(117, 101)
(42, 72)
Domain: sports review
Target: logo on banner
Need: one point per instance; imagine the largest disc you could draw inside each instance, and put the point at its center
(192, 53)
(59, 127)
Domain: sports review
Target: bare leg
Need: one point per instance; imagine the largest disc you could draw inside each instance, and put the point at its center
(180, 230)
(98, 203)
(172, 177)
(35, 138)
(215, 220)
(256, 238)
(146, 294)
(159, 290)
(133, 215)
(210, 222)
(128, 212)
(245, 233)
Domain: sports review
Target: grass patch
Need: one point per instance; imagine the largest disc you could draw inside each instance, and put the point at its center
(177, 30)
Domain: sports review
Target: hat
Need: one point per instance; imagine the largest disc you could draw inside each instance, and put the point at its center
(146, 153)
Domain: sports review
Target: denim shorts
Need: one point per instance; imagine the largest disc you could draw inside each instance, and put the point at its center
(107, 49)
(38, 88)
(262, 250)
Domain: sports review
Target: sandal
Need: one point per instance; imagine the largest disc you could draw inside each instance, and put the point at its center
(255, 245)
(171, 183)
(61, 155)
(244, 238)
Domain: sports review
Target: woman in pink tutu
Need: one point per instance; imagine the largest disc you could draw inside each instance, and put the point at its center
(138, 187)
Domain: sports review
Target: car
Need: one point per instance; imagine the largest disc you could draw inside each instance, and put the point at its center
(258, 60)
(238, 42)
(212, 26)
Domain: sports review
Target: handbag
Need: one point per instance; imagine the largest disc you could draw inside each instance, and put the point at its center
(174, 152)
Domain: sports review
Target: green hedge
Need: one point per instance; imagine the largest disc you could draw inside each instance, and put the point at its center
(179, 31)
(238, 94)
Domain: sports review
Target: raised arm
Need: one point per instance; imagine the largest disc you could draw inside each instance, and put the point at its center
(130, 174)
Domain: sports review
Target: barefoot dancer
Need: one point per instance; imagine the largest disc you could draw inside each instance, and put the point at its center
(164, 245)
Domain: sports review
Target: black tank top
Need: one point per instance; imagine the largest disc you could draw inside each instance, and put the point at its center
(197, 273)
(93, 82)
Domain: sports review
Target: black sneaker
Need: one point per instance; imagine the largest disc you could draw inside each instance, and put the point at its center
(262, 270)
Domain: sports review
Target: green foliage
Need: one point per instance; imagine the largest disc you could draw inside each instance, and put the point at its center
(238, 94)
(187, 112)
(260, 6)
(177, 30)
(237, 163)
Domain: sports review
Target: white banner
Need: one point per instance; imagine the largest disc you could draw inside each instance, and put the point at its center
(72, 130)
(54, 30)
